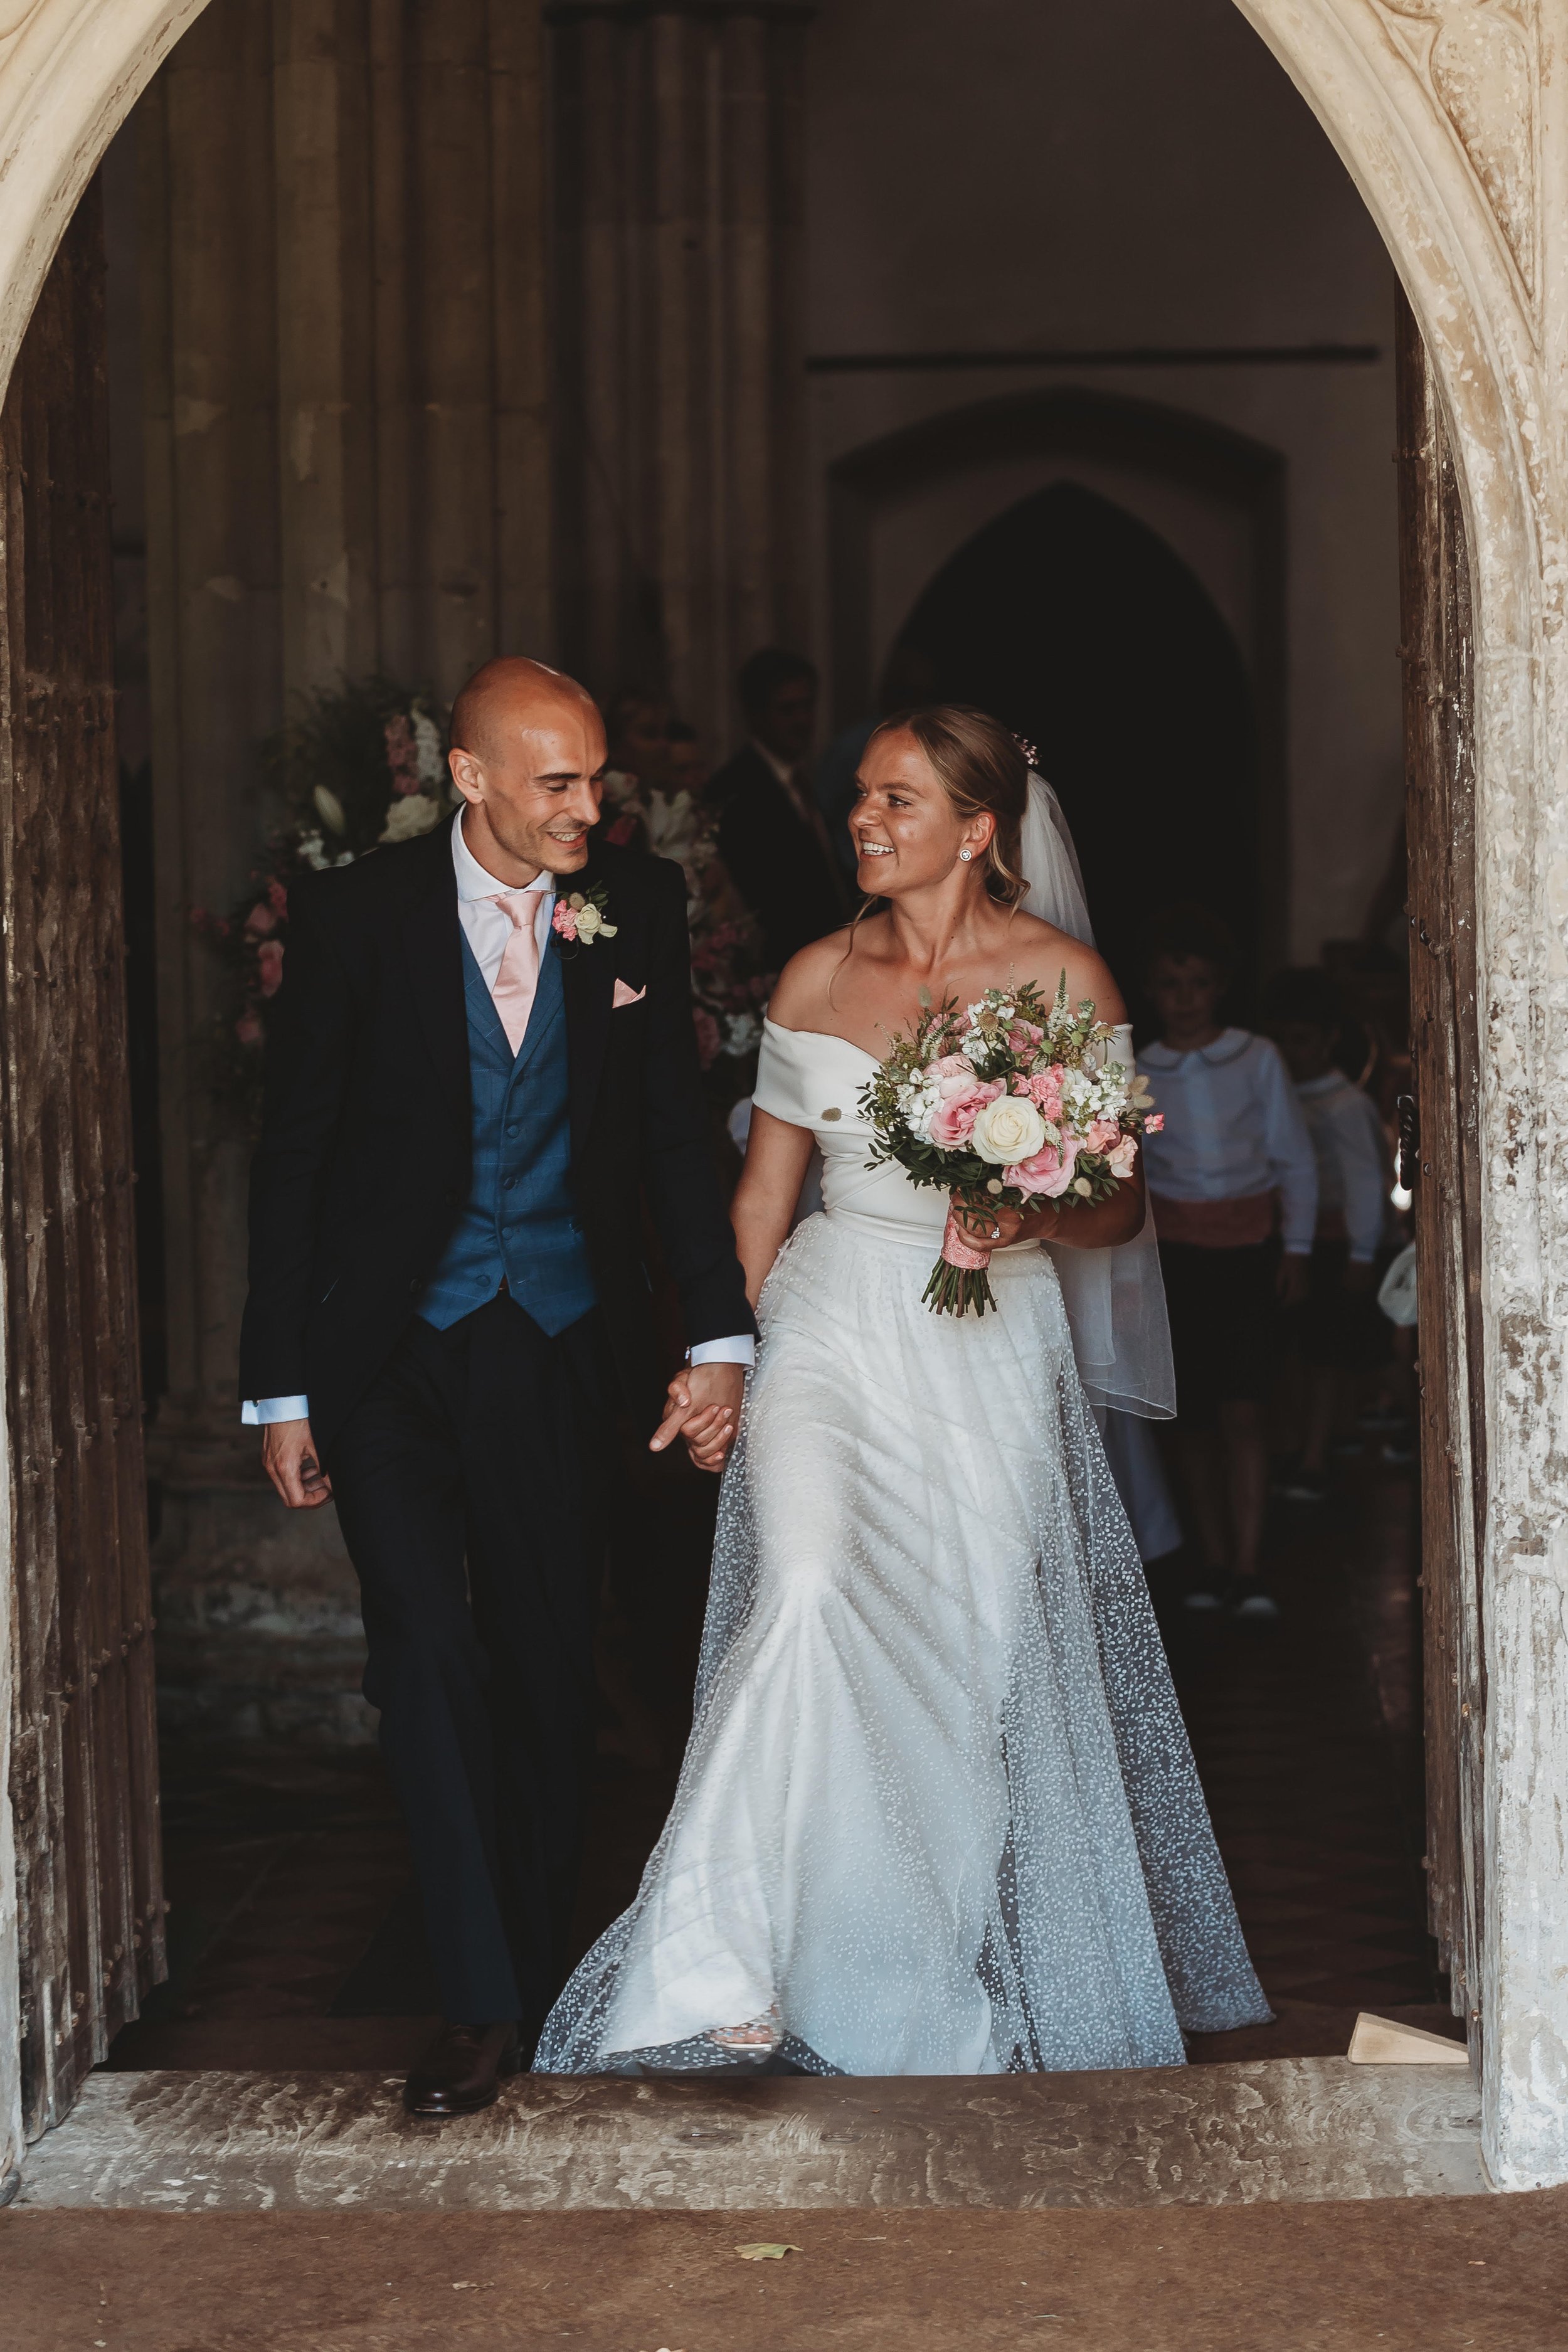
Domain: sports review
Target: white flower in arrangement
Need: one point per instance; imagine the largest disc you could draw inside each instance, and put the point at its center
(1008, 1130)
(329, 809)
(741, 1031)
(673, 823)
(410, 816)
(590, 922)
(427, 760)
(312, 849)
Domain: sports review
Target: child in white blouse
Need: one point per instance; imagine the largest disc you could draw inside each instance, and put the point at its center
(1234, 1187)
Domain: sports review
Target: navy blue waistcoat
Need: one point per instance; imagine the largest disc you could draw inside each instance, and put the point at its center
(520, 1221)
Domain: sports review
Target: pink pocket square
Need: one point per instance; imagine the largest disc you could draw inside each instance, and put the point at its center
(624, 995)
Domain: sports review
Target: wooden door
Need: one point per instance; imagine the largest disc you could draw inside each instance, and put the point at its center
(84, 1763)
(1437, 653)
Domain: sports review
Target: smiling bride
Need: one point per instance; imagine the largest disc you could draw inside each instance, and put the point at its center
(938, 1814)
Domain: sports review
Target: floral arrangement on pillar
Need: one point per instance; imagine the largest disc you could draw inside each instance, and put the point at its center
(363, 763)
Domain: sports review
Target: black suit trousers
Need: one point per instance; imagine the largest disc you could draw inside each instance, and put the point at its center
(466, 1482)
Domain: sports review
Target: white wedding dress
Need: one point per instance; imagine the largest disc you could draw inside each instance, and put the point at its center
(939, 1815)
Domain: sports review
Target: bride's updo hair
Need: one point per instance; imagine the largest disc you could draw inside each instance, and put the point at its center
(982, 769)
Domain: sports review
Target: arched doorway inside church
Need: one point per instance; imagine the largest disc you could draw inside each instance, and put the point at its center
(1079, 626)
(1141, 697)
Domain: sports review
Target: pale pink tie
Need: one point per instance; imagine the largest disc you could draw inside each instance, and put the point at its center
(515, 983)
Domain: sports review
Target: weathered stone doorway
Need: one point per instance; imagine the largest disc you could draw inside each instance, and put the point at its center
(1448, 112)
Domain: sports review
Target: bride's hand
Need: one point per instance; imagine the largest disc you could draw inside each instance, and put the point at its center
(703, 1406)
(999, 1227)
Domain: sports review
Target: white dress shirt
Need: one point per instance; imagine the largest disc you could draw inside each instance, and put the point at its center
(487, 929)
(1352, 1158)
(1232, 1129)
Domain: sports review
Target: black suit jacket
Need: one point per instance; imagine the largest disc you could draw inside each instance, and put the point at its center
(363, 1164)
(776, 863)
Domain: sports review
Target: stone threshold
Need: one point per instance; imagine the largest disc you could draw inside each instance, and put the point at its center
(1271, 2131)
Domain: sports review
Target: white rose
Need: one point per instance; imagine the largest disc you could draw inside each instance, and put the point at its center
(1008, 1130)
(588, 920)
(408, 817)
(429, 766)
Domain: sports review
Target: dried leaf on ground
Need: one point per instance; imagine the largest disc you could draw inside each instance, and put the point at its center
(762, 2253)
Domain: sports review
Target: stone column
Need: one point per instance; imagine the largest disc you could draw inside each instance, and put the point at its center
(680, 339)
(346, 435)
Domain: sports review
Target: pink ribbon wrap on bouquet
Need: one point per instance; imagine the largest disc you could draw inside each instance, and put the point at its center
(959, 1250)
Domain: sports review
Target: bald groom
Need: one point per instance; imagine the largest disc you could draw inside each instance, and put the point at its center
(465, 1109)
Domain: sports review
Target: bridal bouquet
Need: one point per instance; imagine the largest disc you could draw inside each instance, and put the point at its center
(1004, 1104)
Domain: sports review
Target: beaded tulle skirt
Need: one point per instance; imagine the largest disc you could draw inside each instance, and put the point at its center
(938, 1814)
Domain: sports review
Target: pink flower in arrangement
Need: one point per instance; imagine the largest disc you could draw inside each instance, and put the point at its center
(962, 1099)
(269, 966)
(1151, 1126)
(565, 919)
(402, 756)
(1024, 1037)
(1103, 1134)
(278, 899)
(260, 921)
(1045, 1090)
(1049, 1172)
(1123, 1158)
(248, 1029)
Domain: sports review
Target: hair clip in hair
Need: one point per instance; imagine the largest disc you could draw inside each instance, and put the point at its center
(1031, 757)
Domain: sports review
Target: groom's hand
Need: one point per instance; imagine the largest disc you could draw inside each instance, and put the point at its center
(288, 1458)
(702, 1405)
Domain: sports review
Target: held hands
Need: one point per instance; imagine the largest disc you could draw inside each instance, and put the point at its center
(288, 1458)
(703, 1406)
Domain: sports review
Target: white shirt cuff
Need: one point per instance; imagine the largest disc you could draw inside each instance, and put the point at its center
(258, 1410)
(739, 1351)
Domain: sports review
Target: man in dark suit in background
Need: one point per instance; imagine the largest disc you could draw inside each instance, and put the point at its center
(772, 836)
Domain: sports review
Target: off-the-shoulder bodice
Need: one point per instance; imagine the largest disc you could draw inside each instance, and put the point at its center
(810, 1078)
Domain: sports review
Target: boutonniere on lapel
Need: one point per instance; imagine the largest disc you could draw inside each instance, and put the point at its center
(579, 919)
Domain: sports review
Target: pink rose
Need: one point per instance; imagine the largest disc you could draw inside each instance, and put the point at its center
(1151, 1126)
(269, 966)
(259, 922)
(402, 756)
(952, 1121)
(565, 919)
(1049, 1172)
(1103, 1134)
(951, 1066)
(1024, 1037)
(1123, 1159)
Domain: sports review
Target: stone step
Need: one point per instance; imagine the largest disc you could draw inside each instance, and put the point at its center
(1271, 2131)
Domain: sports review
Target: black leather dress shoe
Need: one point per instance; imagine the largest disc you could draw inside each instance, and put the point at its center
(461, 2072)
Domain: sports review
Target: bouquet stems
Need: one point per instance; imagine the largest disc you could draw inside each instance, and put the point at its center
(958, 1289)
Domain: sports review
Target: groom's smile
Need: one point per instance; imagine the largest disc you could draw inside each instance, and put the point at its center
(528, 757)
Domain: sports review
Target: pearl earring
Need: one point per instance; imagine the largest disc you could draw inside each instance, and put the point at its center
(966, 854)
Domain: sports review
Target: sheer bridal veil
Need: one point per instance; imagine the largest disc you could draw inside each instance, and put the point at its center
(1114, 1297)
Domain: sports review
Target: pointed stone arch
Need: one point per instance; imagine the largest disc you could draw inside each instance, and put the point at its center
(1449, 114)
